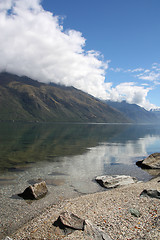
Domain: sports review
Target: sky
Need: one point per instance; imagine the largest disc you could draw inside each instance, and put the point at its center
(107, 48)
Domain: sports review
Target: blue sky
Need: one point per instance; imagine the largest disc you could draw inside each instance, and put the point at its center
(108, 48)
(126, 32)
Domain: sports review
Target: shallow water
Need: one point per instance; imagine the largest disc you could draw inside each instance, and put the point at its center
(67, 157)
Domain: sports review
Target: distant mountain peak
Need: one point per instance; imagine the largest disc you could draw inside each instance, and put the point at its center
(155, 109)
(134, 112)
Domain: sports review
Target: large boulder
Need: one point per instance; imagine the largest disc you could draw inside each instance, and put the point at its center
(35, 191)
(152, 161)
(115, 180)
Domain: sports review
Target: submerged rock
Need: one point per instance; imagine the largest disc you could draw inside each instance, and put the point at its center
(150, 193)
(151, 162)
(35, 191)
(115, 180)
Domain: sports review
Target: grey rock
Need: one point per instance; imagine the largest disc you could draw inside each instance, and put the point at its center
(134, 212)
(152, 161)
(115, 180)
(36, 191)
(150, 193)
(8, 238)
(69, 220)
(93, 232)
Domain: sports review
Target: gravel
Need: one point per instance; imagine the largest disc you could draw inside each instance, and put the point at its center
(109, 210)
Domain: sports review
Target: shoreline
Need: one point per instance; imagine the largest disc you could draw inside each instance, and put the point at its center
(109, 210)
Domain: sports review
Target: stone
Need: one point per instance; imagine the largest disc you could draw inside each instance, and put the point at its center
(134, 212)
(150, 193)
(35, 191)
(8, 238)
(115, 180)
(93, 232)
(69, 220)
(151, 162)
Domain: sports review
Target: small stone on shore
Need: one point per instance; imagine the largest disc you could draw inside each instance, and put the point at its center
(35, 191)
(150, 193)
(69, 220)
(134, 212)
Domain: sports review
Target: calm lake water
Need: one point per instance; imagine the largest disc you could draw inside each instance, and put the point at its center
(68, 157)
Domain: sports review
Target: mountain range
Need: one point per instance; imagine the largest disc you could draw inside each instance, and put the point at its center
(156, 112)
(135, 113)
(24, 99)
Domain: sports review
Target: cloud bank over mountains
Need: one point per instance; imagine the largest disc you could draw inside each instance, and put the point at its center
(34, 43)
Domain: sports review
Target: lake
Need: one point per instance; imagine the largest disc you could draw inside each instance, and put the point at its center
(68, 157)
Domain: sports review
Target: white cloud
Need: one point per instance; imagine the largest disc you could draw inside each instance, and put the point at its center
(149, 76)
(156, 66)
(33, 43)
(137, 70)
(152, 74)
(145, 84)
(128, 70)
(117, 69)
(134, 70)
(131, 93)
(5, 5)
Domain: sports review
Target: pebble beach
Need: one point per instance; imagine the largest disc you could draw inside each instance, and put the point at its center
(109, 210)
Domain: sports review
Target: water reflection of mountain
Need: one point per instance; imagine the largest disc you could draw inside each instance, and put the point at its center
(135, 132)
(25, 143)
(22, 144)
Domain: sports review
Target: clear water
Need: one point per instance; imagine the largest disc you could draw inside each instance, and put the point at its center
(68, 157)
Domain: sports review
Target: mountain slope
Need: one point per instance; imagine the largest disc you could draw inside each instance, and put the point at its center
(156, 112)
(23, 99)
(134, 112)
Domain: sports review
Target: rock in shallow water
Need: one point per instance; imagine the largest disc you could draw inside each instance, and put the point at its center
(115, 180)
(36, 191)
(151, 162)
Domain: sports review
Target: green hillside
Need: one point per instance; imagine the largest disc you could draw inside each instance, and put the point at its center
(24, 99)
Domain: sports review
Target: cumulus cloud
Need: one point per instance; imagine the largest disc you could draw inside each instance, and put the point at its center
(131, 93)
(33, 43)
